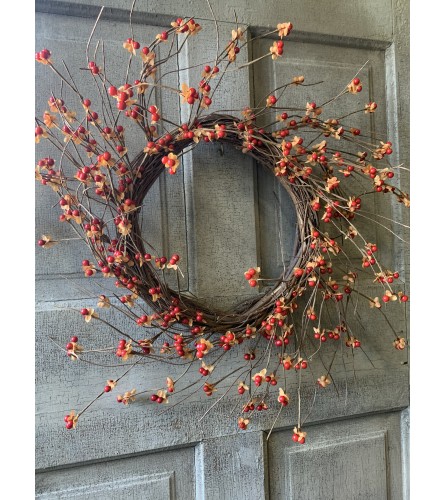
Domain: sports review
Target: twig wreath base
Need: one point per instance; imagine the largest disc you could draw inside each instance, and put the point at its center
(253, 311)
(102, 201)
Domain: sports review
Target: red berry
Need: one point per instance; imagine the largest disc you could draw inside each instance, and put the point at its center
(69, 424)
(107, 388)
(45, 54)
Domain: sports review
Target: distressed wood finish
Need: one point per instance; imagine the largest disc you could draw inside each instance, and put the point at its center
(223, 214)
(233, 467)
(163, 222)
(219, 252)
(359, 459)
(167, 475)
(348, 19)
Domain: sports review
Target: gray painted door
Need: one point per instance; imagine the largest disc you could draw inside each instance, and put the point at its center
(217, 207)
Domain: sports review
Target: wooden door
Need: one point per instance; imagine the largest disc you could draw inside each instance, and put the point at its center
(220, 213)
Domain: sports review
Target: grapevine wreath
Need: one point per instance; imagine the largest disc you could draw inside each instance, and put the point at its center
(101, 187)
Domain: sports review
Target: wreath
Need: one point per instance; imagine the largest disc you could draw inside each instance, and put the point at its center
(101, 187)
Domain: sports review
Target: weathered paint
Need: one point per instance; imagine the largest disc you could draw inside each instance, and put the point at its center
(354, 436)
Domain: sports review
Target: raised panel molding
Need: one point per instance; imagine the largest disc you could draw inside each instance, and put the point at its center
(164, 475)
(221, 229)
(233, 468)
(331, 67)
(163, 213)
(351, 470)
(150, 487)
(351, 459)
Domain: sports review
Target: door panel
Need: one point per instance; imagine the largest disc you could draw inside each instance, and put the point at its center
(162, 217)
(359, 459)
(167, 475)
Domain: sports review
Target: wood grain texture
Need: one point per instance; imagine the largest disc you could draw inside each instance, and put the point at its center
(220, 189)
(167, 475)
(234, 467)
(332, 67)
(358, 459)
(163, 220)
(348, 470)
(397, 63)
(63, 385)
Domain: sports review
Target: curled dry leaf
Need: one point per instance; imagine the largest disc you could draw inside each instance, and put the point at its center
(324, 381)
(112, 384)
(128, 397)
(209, 368)
(49, 242)
(243, 423)
(90, 315)
(284, 29)
(375, 303)
(399, 343)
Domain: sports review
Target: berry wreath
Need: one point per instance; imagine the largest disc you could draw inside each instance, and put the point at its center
(102, 201)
